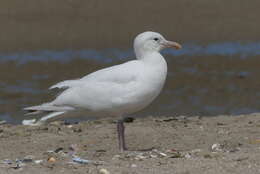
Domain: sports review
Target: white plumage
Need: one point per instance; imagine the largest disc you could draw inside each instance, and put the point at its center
(117, 90)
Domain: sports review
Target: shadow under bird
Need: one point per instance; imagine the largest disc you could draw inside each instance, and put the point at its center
(116, 91)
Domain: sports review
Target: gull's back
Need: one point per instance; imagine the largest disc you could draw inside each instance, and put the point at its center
(120, 89)
(107, 90)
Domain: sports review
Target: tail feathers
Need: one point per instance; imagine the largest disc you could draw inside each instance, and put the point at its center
(34, 122)
(47, 107)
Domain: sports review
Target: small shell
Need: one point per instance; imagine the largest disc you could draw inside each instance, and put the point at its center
(51, 159)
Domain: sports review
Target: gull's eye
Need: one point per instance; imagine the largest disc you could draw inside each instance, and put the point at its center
(156, 39)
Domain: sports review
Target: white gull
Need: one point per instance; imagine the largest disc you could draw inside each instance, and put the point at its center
(116, 91)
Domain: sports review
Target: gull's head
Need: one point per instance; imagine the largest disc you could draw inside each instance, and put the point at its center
(149, 42)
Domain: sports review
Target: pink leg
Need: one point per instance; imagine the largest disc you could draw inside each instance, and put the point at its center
(121, 135)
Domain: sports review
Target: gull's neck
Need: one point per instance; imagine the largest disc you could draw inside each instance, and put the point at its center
(157, 63)
(151, 57)
(155, 69)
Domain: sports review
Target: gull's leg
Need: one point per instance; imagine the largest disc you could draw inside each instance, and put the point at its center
(121, 135)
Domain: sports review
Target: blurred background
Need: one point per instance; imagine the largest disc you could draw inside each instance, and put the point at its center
(217, 71)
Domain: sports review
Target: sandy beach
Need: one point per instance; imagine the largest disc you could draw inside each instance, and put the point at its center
(181, 145)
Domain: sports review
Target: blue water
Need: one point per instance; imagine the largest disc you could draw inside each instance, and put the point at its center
(181, 96)
(23, 87)
(243, 50)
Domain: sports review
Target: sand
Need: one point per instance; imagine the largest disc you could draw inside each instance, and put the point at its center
(181, 145)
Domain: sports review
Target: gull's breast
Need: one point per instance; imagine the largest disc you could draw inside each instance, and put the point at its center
(140, 93)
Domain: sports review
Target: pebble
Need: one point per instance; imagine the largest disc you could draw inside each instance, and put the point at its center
(133, 165)
(216, 147)
(140, 157)
(104, 171)
(38, 161)
(162, 154)
(116, 157)
(153, 156)
(187, 155)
